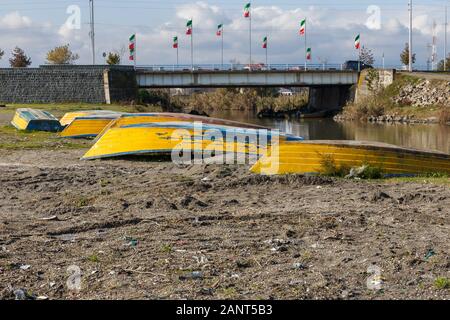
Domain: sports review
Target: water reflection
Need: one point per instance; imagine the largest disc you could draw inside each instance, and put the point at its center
(418, 136)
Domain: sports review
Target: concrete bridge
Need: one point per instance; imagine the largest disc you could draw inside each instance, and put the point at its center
(329, 87)
(289, 76)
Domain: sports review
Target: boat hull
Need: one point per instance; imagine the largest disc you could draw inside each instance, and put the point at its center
(309, 156)
(138, 118)
(35, 120)
(167, 137)
(87, 127)
(71, 116)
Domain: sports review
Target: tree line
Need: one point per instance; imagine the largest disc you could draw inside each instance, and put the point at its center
(58, 55)
(64, 55)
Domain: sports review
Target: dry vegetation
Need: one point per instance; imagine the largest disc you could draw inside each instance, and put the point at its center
(381, 103)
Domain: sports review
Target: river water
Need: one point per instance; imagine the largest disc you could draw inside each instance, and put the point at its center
(418, 136)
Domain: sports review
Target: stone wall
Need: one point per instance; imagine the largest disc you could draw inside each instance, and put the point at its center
(371, 80)
(425, 93)
(47, 84)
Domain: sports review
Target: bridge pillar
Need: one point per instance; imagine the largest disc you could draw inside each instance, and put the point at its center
(329, 98)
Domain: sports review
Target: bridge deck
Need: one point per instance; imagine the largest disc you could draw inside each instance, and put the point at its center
(148, 78)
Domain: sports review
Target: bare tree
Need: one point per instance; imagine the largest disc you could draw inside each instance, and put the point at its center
(366, 56)
(1, 54)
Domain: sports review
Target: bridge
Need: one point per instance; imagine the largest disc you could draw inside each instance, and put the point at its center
(213, 76)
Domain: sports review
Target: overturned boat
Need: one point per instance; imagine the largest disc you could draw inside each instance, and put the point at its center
(307, 157)
(88, 126)
(71, 116)
(192, 137)
(138, 118)
(35, 120)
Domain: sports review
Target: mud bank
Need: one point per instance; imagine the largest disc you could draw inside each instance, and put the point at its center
(152, 230)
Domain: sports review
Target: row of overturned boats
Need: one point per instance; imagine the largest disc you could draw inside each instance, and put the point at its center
(117, 134)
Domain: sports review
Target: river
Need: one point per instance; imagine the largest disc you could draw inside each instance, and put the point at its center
(418, 136)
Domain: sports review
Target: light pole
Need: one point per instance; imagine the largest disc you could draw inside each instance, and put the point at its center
(92, 33)
(445, 40)
(410, 68)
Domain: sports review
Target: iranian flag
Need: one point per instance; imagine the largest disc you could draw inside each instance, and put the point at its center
(189, 27)
(219, 30)
(357, 42)
(175, 42)
(247, 10)
(132, 47)
(303, 27)
(308, 54)
(264, 45)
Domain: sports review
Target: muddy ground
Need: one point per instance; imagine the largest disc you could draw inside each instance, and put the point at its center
(152, 230)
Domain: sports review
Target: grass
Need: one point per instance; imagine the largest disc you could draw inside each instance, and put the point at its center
(93, 258)
(58, 109)
(13, 139)
(328, 167)
(442, 283)
(420, 179)
(381, 104)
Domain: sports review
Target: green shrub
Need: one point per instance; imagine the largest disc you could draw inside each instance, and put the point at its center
(442, 283)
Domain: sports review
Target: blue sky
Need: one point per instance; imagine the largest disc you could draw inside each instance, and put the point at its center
(38, 25)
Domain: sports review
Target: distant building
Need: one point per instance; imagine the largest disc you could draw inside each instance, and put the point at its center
(285, 92)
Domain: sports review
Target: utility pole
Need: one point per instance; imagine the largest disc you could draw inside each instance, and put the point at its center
(434, 48)
(445, 41)
(92, 33)
(410, 68)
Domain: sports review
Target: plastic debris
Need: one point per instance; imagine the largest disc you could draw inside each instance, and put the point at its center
(131, 241)
(429, 254)
(22, 294)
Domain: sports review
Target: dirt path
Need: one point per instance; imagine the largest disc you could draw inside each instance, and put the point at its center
(147, 230)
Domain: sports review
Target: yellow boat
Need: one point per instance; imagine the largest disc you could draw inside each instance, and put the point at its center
(70, 116)
(137, 118)
(163, 137)
(308, 157)
(87, 127)
(35, 120)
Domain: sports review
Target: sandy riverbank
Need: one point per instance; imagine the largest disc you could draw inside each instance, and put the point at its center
(152, 230)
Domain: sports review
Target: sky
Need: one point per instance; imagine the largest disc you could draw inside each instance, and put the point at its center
(39, 25)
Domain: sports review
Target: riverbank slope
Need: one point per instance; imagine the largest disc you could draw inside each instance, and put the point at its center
(412, 98)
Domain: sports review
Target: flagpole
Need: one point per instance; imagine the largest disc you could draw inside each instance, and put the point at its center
(135, 50)
(192, 45)
(222, 46)
(306, 49)
(359, 53)
(250, 43)
(267, 46)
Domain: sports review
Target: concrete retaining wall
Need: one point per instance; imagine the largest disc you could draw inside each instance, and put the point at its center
(46, 84)
(329, 98)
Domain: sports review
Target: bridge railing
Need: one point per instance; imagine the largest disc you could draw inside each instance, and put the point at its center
(240, 67)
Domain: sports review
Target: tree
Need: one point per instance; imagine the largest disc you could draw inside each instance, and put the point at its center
(61, 55)
(19, 59)
(404, 56)
(366, 56)
(113, 58)
(1, 54)
(441, 64)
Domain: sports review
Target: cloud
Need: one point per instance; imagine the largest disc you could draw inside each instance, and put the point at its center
(330, 35)
(14, 20)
